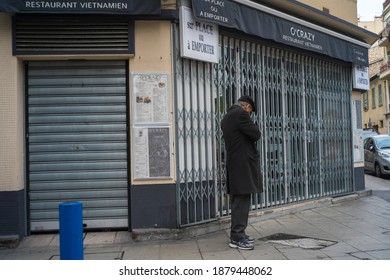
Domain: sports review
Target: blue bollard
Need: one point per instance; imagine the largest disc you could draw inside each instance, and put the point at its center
(71, 231)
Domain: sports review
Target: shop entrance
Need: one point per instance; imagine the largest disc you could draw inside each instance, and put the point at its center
(77, 141)
(304, 115)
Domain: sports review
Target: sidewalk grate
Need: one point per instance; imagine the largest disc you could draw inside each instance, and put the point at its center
(298, 241)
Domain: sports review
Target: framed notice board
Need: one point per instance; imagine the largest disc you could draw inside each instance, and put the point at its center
(151, 126)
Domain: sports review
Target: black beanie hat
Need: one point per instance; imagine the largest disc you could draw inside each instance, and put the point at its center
(248, 99)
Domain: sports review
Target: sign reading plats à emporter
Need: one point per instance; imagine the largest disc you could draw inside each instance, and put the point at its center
(361, 79)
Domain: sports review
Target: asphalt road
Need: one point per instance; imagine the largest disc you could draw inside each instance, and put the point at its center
(380, 186)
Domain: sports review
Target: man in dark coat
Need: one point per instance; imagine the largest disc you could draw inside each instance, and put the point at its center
(243, 167)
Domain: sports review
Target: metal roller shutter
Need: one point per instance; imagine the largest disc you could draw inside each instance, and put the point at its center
(77, 141)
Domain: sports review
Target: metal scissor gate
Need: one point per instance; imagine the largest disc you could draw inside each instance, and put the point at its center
(304, 115)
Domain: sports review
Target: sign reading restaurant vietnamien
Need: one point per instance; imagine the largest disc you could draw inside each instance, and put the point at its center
(135, 7)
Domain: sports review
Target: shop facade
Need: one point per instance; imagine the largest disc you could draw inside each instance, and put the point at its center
(118, 106)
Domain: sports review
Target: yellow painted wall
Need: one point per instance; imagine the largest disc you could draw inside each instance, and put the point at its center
(344, 9)
(376, 114)
(152, 47)
(375, 26)
(11, 112)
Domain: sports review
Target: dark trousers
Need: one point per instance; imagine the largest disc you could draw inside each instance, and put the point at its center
(239, 215)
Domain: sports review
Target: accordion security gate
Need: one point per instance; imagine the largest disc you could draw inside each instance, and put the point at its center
(304, 116)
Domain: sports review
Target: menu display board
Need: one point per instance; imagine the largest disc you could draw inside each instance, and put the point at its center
(151, 94)
(151, 126)
(152, 153)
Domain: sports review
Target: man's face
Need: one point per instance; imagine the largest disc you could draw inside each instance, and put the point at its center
(248, 108)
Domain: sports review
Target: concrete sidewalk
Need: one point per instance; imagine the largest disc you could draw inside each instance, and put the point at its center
(350, 228)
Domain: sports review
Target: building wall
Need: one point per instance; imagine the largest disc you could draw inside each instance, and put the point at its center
(344, 9)
(385, 75)
(153, 54)
(375, 25)
(376, 57)
(152, 47)
(153, 202)
(12, 163)
(149, 57)
(376, 114)
(373, 117)
(376, 54)
(11, 112)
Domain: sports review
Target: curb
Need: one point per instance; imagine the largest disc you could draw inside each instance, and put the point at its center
(351, 197)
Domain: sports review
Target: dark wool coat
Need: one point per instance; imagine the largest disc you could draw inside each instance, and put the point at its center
(243, 160)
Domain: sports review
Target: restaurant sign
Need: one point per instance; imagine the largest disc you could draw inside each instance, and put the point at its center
(256, 22)
(132, 7)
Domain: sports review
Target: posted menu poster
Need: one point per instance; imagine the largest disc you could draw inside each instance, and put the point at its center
(150, 97)
(152, 152)
(151, 126)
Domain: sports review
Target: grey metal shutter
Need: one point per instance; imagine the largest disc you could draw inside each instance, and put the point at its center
(77, 141)
(72, 34)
